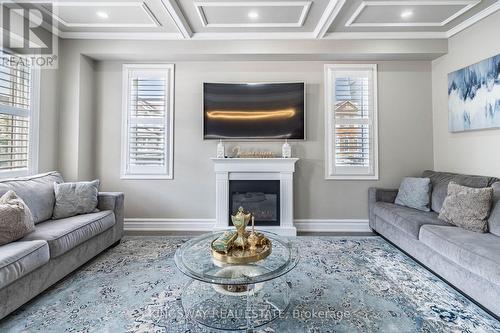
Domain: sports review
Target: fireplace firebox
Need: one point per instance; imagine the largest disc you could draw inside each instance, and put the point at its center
(260, 197)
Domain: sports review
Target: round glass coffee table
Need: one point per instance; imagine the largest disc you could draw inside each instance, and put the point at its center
(235, 296)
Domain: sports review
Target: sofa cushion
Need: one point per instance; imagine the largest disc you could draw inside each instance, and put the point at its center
(65, 234)
(494, 219)
(20, 258)
(36, 191)
(75, 198)
(408, 220)
(16, 220)
(467, 207)
(440, 182)
(478, 253)
(414, 193)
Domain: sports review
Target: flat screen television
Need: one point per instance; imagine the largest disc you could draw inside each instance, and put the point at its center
(249, 111)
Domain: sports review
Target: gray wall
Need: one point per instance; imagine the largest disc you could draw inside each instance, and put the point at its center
(475, 152)
(48, 121)
(405, 134)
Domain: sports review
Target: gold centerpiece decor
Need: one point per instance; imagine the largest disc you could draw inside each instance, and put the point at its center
(241, 246)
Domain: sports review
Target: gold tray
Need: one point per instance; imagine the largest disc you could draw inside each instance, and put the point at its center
(239, 256)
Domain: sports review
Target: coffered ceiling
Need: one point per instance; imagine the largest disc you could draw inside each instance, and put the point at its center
(266, 19)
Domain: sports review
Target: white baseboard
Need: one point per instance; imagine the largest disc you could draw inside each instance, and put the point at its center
(302, 225)
(160, 224)
(332, 225)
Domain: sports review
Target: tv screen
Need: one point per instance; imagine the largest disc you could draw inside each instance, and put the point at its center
(253, 110)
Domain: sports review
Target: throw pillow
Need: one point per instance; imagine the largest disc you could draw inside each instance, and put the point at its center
(415, 193)
(75, 198)
(467, 207)
(15, 218)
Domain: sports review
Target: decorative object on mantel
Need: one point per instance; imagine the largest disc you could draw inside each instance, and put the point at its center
(241, 246)
(286, 150)
(238, 153)
(221, 150)
(474, 96)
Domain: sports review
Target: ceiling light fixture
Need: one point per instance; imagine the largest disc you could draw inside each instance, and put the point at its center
(253, 15)
(406, 14)
(102, 15)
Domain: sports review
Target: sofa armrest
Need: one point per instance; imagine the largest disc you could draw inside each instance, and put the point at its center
(113, 201)
(379, 194)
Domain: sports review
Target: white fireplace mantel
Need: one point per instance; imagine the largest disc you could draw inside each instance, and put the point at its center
(281, 169)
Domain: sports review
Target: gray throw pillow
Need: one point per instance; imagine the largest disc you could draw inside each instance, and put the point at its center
(16, 220)
(467, 207)
(75, 198)
(415, 193)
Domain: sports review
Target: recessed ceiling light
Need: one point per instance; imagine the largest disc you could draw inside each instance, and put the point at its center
(407, 14)
(102, 15)
(253, 15)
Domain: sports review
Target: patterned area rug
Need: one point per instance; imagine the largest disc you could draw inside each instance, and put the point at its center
(342, 284)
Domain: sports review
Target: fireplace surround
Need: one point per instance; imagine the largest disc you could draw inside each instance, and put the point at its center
(256, 180)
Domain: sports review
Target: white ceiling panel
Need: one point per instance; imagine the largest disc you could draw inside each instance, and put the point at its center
(253, 14)
(406, 15)
(94, 14)
(388, 16)
(112, 16)
(273, 16)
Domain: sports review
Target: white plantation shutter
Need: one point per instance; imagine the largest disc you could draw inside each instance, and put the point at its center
(17, 120)
(148, 94)
(351, 117)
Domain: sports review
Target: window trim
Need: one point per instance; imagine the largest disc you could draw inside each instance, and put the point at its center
(34, 130)
(126, 69)
(330, 123)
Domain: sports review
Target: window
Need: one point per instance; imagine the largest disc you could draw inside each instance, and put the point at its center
(147, 122)
(351, 121)
(18, 120)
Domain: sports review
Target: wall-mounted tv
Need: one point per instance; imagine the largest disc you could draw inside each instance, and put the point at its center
(246, 111)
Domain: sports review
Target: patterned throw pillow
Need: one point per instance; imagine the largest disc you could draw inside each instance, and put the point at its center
(467, 207)
(15, 218)
(414, 193)
(75, 198)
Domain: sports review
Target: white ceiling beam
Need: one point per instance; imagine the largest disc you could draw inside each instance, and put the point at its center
(177, 16)
(331, 11)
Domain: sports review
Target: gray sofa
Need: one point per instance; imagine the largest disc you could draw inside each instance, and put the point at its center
(56, 247)
(468, 260)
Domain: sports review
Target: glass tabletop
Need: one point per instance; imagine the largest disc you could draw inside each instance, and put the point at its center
(194, 259)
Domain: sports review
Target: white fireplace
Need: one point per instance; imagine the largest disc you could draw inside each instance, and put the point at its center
(259, 170)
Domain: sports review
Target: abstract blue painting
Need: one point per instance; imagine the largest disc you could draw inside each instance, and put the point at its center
(474, 96)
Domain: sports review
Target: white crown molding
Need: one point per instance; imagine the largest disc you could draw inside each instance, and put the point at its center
(302, 225)
(387, 35)
(143, 6)
(332, 10)
(473, 19)
(177, 16)
(300, 21)
(468, 4)
(251, 35)
(122, 35)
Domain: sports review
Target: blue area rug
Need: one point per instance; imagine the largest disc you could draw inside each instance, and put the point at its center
(342, 284)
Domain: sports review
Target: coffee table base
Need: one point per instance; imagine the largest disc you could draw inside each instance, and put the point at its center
(216, 307)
